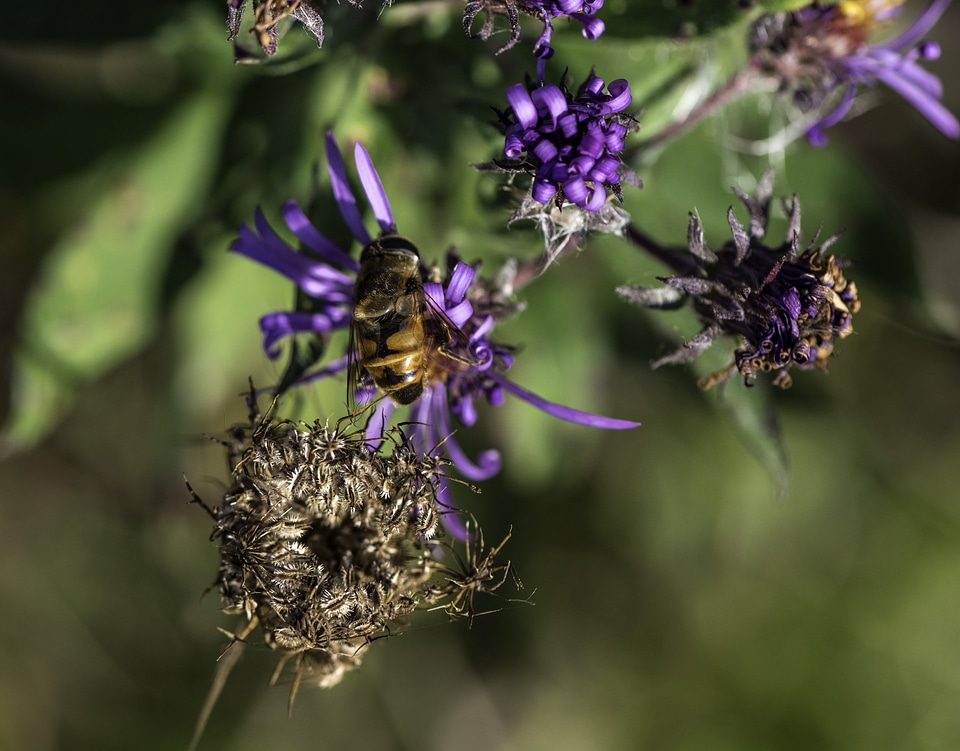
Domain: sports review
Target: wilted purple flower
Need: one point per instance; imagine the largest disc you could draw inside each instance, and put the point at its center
(461, 301)
(572, 144)
(787, 308)
(822, 53)
(543, 10)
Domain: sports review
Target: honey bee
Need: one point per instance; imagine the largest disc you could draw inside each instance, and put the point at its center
(397, 338)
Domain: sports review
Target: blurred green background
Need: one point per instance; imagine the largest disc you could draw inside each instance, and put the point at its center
(683, 602)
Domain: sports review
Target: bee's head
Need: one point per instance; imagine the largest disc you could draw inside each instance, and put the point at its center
(390, 245)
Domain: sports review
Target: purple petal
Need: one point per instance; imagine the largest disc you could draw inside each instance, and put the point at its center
(314, 278)
(620, 91)
(598, 197)
(545, 150)
(465, 411)
(543, 190)
(488, 462)
(309, 235)
(460, 280)
(593, 85)
(342, 193)
(550, 101)
(434, 294)
(523, 107)
(460, 313)
(918, 29)
(279, 324)
(927, 105)
(575, 190)
(593, 27)
(815, 133)
(372, 186)
(564, 413)
(513, 145)
(904, 66)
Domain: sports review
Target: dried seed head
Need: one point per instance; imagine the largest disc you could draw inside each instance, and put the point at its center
(327, 542)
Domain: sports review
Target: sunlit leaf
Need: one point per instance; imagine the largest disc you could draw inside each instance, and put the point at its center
(96, 304)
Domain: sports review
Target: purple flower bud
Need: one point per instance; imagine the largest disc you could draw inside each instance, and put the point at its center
(572, 143)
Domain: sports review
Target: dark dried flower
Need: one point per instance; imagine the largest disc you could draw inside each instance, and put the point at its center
(543, 10)
(328, 542)
(267, 18)
(787, 308)
(822, 55)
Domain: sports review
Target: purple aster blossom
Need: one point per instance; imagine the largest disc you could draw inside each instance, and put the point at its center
(786, 307)
(822, 54)
(462, 301)
(583, 13)
(571, 144)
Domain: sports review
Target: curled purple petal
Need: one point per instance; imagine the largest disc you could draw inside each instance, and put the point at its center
(565, 413)
(593, 27)
(523, 107)
(488, 462)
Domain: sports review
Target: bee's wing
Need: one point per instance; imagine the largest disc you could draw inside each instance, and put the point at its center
(358, 379)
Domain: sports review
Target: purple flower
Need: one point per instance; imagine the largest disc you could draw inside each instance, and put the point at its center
(822, 52)
(462, 301)
(543, 10)
(788, 309)
(572, 144)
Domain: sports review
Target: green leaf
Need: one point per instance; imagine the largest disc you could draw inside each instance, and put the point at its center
(95, 303)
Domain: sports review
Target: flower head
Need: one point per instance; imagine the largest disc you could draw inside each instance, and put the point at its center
(327, 542)
(462, 366)
(543, 10)
(822, 54)
(570, 143)
(787, 308)
(268, 15)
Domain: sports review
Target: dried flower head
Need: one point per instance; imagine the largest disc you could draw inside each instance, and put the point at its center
(268, 19)
(822, 54)
(787, 308)
(569, 143)
(565, 228)
(543, 10)
(328, 542)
